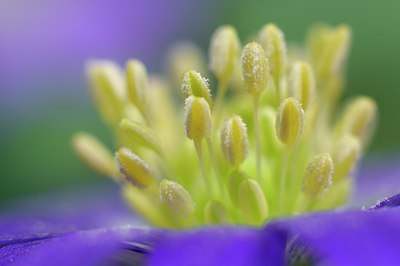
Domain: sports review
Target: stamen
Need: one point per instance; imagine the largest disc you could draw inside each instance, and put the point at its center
(289, 123)
(223, 52)
(345, 156)
(198, 121)
(255, 71)
(107, 89)
(176, 198)
(302, 83)
(193, 84)
(330, 48)
(223, 57)
(272, 39)
(95, 155)
(137, 84)
(318, 176)
(234, 140)
(255, 77)
(198, 124)
(141, 135)
(359, 118)
(134, 168)
(252, 202)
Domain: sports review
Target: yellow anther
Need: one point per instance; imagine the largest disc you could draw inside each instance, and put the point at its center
(345, 156)
(271, 38)
(108, 90)
(223, 52)
(134, 168)
(140, 134)
(194, 84)
(318, 37)
(302, 83)
(252, 201)
(341, 44)
(234, 140)
(289, 122)
(359, 118)
(216, 213)
(334, 45)
(95, 155)
(176, 198)
(198, 121)
(137, 83)
(182, 57)
(318, 175)
(255, 70)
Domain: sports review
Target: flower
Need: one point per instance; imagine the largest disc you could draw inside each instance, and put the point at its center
(84, 235)
(331, 238)
(282, 154)
(273, 142)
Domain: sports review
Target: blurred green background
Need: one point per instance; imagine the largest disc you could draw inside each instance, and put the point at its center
(44, 97)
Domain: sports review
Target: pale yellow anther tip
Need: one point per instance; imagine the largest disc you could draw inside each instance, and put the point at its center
(223, 52)
(198, 120)
(134, 168)
(255, 71)
(329, 48)
(289, 121)
(94, 154)
(140, 134)
(342, 38)
(193, 84)
(106, 73)
(318, 175)
(108, 89)
(234, 140)
(176, 198)
(345, 156)
(137, 83)
(272, 39)
(302, 83)
(360, 117)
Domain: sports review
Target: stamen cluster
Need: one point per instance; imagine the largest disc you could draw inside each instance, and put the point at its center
(274, 142)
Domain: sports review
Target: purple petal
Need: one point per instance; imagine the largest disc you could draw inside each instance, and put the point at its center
(349, 238)
(332, 238)
(393, 201)
(90, 247)
(85, 227)
(68, 211)
(219, 246)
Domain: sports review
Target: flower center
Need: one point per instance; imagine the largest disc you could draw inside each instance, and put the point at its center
(274, 142)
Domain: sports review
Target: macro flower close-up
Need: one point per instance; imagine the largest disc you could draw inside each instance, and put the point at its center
(244, 144)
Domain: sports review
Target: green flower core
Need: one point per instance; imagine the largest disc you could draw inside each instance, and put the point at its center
(266, 138)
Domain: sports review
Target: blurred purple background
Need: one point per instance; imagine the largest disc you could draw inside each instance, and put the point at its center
(44, 99)
(44, 44)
